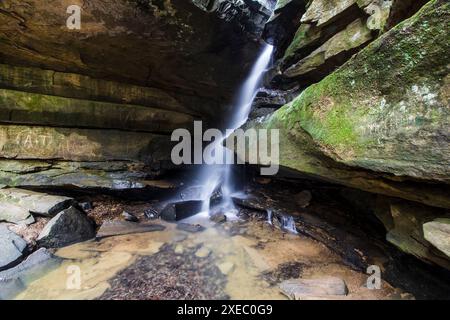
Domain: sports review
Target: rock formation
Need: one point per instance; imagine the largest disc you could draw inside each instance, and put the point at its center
(375, 111)
(95, 107)
(359, 90)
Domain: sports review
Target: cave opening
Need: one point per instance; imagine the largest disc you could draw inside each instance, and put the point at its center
(225, 149)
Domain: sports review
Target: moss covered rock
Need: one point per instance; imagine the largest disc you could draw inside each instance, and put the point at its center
(381, 121)
(45, 110)
(387, 108)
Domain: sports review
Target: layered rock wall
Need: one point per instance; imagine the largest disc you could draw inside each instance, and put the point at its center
(99, 103)
(371, 111)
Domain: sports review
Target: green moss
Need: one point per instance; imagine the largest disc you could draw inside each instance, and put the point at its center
(325, 114)
(300, 39)
(332, 110)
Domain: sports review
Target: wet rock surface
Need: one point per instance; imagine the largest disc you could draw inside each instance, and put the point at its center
(129, 217)
(168, 275)
(244, 257)
(314, 288)
(34, 202)
(12, 248)
(437, 232)
(68, 227)
(14, 280)
(116, 228)
(192, 228)
(339, 130)
(181, 210)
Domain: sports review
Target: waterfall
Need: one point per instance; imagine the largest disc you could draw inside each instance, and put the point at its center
(215, 176)
(288, 224)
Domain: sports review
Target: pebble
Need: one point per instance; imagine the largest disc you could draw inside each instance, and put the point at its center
(203, 252)
(218, 218)
(225, 267)
(129, 217)
(180, 238)
(179, 249)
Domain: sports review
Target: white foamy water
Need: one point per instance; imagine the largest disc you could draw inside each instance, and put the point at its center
(213, 176)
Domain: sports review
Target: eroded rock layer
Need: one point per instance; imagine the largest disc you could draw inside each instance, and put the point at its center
(374, 111)
(99, 103)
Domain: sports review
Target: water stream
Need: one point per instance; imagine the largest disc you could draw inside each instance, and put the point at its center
(214, 176)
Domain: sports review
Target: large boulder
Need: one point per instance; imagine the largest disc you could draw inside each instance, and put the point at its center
(66, 228)
(12, 248)
(415, 229)
(437, 232)
(34, 202)
(180, 210)
(380, 122)
(16, 214)
(354, 36)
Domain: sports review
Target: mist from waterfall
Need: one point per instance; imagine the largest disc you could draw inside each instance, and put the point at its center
(214, 176)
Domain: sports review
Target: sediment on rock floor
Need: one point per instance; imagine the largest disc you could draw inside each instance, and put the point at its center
(357, 89)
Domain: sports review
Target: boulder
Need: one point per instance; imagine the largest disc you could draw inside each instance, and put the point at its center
(12, 248)
(66, 228)
(203, 252)
(117, 228)
(437, 232)
(218, 217)
(14, 280)
(249, 202)
(320, 12)
(331, 31)
(176, 211)
(34, 202)
(303, 199)
(274, 98)
(380, 121)
(192, 228)
(10, 212)
(226, 267)
(415, 229)
(129, 217)
(298, 289)
(354, 36)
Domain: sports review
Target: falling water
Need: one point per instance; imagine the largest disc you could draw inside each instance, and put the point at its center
(288, 224)
(214, 176)
(269, 216)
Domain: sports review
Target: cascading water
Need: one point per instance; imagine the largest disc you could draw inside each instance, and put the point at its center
(214, 176)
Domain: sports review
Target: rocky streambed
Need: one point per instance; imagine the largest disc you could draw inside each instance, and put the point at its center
(134, 252)
(93, 207)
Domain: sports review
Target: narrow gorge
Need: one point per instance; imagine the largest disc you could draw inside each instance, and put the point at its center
(96, 97)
